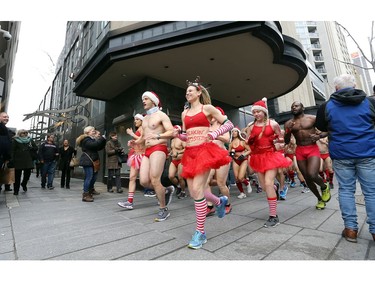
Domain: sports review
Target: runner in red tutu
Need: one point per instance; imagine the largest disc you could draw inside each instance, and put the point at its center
(201, 154)
(265, 160)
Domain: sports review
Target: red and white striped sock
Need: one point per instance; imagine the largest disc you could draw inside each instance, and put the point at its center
(200, 213)
(130, 197)
(272, 204)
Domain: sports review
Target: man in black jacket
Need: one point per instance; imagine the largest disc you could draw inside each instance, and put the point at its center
(48, 153)
(5, 143)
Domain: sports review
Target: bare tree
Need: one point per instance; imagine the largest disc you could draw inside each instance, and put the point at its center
(371, 41)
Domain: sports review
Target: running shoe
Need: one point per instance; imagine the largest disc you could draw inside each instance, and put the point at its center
(331, 186)
(168, 194)
(228, 209)
(178, 191)
(197, 240)
(293, 184)
(210, 211)
(220, 209)
(182, 195)
(259, 189)
(326, 194)
(284, 192)
(241, 196)
(249, 189)
(321, 205)
(163, 214)
(126, 205)
(305, 190)
(150, 193)
(272, 222)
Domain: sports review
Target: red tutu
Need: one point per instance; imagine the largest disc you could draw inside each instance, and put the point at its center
(201, 158)
(134, 160)
(269, 160)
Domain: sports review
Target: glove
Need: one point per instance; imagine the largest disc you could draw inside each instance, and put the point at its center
(242, 157)
(231, 154)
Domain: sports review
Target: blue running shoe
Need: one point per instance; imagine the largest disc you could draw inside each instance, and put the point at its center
(292, 184)
(284, 192)
(220, 210)
(197, 240)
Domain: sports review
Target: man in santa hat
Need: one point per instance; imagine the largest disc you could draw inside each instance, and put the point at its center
(157, 129)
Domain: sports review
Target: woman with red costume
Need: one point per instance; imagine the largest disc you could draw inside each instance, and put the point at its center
(136, 152)
(265, 160)
(239, 150)
(202, 154)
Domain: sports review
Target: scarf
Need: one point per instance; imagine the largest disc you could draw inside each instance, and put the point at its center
(22, 139)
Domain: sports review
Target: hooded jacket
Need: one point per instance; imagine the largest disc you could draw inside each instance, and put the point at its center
(349, 118)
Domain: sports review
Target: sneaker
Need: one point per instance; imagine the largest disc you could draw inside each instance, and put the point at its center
(197, 240)
(126, 205)
(228, 209)
(331, 186)
(321, 205)
(272, 222)
(326, 194)
(293, 184)
(162, 215)
(305, 190)
(284, 192)
(150, 193)
(259, 189)
(168, 194)
(220, 210)
(241, 196)
(249, 189)
(182, 195)
(110, 190)
(178, 191)
(210, 211)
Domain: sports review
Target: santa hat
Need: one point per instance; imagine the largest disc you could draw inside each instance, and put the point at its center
(153, 97)
(139, 116)
(241, 135)
(220, 109)
(260, 105)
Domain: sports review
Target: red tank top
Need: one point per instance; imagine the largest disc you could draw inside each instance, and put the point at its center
(197, 120)
(239, 148)
(263, 144)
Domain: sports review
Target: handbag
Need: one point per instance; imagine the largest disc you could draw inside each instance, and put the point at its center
(96, 163)
(7, 175)
(74, 162)
(122, 158)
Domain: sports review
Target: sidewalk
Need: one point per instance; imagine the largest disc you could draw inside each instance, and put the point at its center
(56, 225)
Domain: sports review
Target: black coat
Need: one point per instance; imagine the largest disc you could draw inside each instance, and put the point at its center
(91, 147)
(66, 156)
(21, 156)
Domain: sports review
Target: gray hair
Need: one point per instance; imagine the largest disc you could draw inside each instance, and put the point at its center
(344, 81)
(88, 129)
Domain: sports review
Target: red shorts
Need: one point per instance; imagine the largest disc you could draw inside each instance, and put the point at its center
(239, 162)
(324, 156)
(176, 162)
(308, 151)
(158, 147)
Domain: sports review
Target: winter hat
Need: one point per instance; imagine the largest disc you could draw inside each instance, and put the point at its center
(139, 116)
(260, 105)
(154, 97)
(241, 135)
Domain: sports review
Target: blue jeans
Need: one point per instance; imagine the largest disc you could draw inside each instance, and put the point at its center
(48, 169)
(90, 178)
(347, 172)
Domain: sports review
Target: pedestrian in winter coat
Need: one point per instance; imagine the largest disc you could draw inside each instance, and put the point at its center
(21, 158)
(91, 142)
(66, 153)
(113, 149)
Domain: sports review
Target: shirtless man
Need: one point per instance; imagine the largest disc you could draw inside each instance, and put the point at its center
(157, 129)
(307, 151)
(326, 162)
(175, 167)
